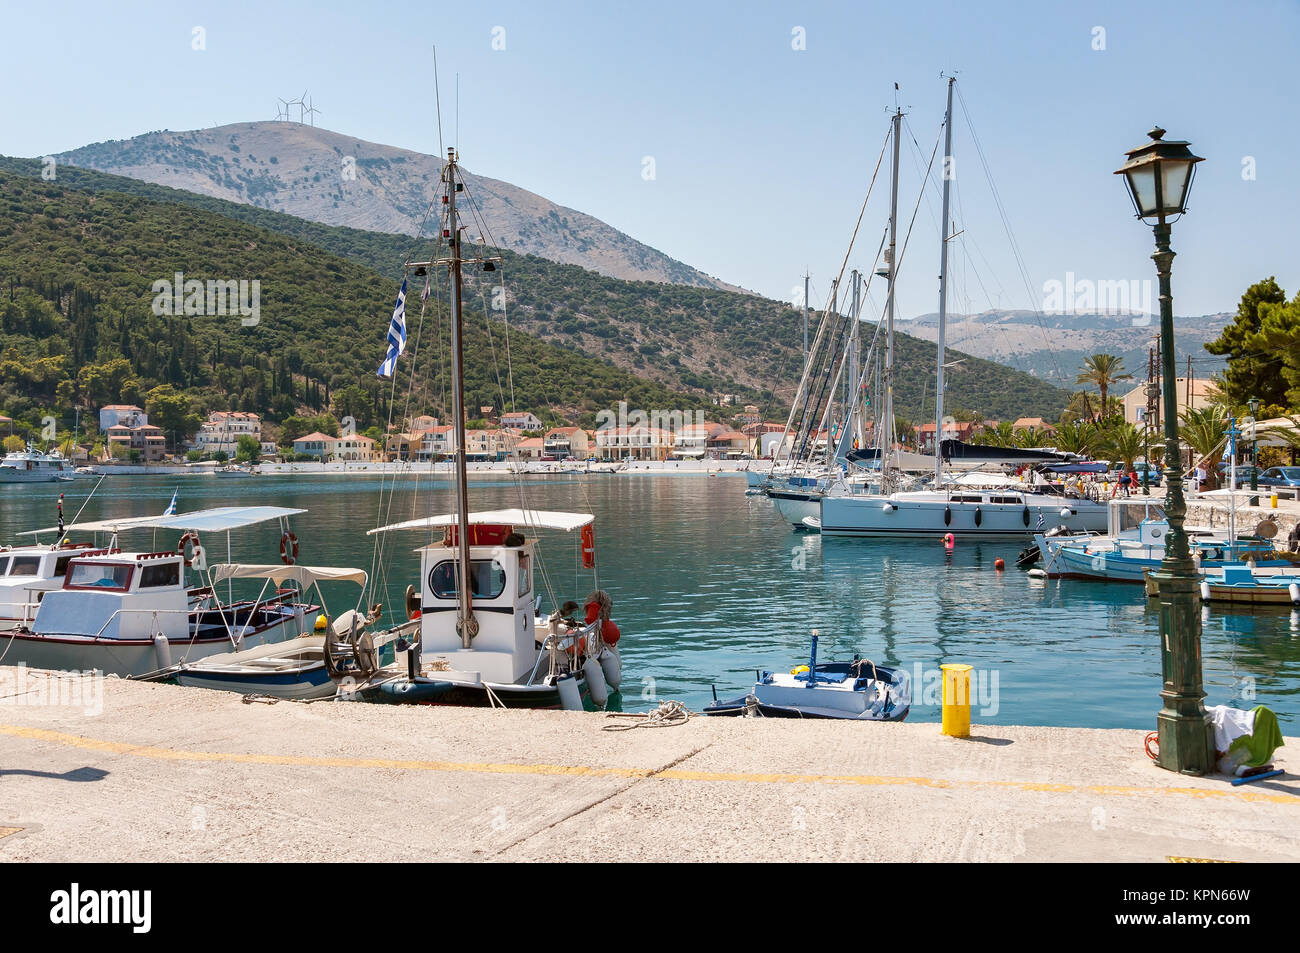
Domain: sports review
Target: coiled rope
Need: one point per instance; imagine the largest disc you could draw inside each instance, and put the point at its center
(669, 714)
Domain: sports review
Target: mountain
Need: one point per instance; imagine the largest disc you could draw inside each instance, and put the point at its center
(326, 177)
(1053, 346)
(692, 341)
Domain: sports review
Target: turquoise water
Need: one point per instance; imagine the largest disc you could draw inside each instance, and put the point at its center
(709, 584)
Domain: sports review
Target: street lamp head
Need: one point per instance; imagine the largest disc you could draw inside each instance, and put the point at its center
(1253, 403)
(1159, 176)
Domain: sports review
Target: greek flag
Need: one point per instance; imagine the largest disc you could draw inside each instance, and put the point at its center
(1040, 520)
(171, 507)
(424, 295)
(396, 335)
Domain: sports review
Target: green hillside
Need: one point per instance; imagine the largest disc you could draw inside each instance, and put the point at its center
(688, 339)
(77, 323)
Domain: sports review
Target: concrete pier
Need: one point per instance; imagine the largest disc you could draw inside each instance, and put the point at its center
(158, 773)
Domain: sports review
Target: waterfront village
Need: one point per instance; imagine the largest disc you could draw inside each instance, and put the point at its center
(125, 435)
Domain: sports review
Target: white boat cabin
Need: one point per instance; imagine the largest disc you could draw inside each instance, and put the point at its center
(118, 596)
(501, 584)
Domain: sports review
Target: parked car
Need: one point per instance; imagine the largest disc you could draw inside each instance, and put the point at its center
(1154, 473)
(1280, 476)
(1243, 474)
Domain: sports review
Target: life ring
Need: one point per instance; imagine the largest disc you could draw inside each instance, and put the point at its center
(197, 547)
(288, 549)
(1152, 736)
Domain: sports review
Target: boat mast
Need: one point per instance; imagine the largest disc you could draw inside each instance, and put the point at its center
(806, 278)
(943, 285)
(466, 624)
(887, 447)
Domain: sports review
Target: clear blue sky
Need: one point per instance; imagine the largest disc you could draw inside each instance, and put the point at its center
(762, 153)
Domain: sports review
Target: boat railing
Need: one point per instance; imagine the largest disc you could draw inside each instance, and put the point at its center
(559, 643)
(155, 613)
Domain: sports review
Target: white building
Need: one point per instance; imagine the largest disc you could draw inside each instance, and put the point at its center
(223, 429)
(125, 415)
(521, 420)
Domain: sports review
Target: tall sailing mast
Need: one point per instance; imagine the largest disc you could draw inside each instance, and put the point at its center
(943, 284)
(886, 443)
(466, 625)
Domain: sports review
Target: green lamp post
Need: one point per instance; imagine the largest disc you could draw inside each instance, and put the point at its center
(1253, 403)
(1159, 175)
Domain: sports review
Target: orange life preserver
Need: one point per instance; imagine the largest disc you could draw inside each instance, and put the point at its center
(180, 547)
(288, 549)
(588, 547)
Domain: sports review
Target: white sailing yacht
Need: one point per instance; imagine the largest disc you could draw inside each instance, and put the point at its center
(1004, 510)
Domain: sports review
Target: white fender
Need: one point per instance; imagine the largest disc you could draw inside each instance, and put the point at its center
(611, 664)
(162, 651)
(570, 694)
(596, 686)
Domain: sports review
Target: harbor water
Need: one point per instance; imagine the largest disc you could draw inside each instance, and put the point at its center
(709, 584)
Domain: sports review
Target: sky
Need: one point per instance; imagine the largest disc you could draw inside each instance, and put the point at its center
(761, 122)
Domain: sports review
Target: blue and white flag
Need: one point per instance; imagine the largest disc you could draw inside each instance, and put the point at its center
(424, 295)
(171, 507)
(396, 335)
(1040, 520)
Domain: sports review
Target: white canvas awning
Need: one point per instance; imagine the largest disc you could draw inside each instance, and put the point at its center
(532, 519)
(216, 520)
(280, 573)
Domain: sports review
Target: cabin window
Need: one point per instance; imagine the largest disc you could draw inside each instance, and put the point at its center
(1006, 499)
(99, 575)
(4, 566)
(525, 575)
(968, 499)
(25, 566)
(61, 566)
(161, 574)
(487, 579)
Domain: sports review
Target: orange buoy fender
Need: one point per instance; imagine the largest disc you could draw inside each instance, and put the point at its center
(589, 547)
(610, 632)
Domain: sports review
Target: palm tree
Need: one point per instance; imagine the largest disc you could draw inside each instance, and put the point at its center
(1125, 443)
(1289, 436)
(1101, 371)
(1029, 437)
(1077, 436)
(1203, 430)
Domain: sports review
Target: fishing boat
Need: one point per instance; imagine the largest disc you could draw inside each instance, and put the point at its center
(293, 669)
(858, 690)
(473, 635)
(131, 613)
(33, 466)
(235, 472)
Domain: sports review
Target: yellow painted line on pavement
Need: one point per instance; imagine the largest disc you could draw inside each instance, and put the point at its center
(669, 774)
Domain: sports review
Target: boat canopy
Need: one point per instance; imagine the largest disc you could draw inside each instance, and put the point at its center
(533, 519)
(216, 520)
(1078, 468)
(279, 573)
(956, 450)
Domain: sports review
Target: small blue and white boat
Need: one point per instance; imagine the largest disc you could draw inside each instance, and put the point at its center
(290, 670)
(1136, 543)
(858, 690)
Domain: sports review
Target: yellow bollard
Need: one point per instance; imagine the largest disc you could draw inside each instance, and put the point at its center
(1272, 499)
(956, 700)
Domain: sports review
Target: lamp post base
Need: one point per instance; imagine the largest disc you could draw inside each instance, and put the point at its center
(1185, 734)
